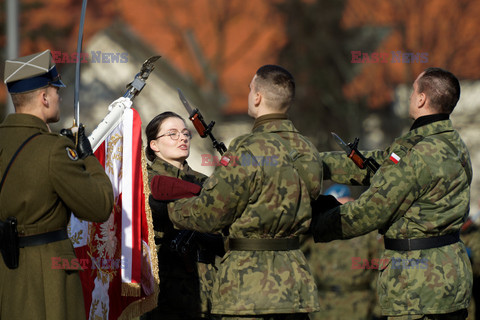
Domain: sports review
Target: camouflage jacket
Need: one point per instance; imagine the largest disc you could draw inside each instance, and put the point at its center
(345, 272)
(161, 167)
(422, 189)
(256, 193)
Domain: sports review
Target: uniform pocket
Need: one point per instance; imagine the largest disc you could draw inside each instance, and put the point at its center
(210, 183)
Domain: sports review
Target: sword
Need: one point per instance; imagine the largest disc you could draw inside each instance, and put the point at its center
(202, 128)
(76, 103)
(355, 155)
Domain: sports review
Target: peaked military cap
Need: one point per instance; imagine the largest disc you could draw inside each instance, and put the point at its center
(31, 72)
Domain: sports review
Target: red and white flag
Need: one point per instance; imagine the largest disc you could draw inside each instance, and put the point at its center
(394, 157)
(120, 276)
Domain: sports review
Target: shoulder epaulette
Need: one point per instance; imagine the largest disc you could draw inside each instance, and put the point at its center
(410, 142)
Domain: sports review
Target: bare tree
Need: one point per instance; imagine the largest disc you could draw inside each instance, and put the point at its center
(318, 54)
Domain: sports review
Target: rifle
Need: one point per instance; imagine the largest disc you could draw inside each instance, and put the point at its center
(185, 239)
(355, 155)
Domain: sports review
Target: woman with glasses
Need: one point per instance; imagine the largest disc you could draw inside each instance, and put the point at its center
(186, 269)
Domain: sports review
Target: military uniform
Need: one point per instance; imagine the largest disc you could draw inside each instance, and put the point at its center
(185, 285)
(470, 235)
(44, 185)
(422, 190)
(257, 198)
(345, 273)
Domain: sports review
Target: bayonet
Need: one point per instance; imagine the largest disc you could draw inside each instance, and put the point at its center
(352, 152)
(341, 143)
(185, 102)
(200, 125)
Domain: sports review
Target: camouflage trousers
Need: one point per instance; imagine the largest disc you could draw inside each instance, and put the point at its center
(457, 315)
(280, 316)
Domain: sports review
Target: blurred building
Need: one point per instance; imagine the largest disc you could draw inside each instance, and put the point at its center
(104, 79)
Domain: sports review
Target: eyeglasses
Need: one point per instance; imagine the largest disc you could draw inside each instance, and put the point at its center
(174, 134)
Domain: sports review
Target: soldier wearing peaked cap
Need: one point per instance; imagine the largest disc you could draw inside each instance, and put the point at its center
(44, 178)
(419, 199)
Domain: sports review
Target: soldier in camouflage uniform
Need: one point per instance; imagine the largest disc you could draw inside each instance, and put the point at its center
(185, 283)
(419, 199)
(470, 235)
(345, 272)
(257, 197)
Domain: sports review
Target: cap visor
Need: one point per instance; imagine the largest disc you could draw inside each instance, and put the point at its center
(58, 83)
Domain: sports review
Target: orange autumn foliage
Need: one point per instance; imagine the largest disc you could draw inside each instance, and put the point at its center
(234, 37)
(445, 30)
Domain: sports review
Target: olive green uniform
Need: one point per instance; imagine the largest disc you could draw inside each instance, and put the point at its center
(42, 188)
(470, 235)
(185, 284)
(345, 272)
(257, 194)
(421, 190)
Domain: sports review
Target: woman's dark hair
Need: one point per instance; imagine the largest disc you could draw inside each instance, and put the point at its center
(152, 130)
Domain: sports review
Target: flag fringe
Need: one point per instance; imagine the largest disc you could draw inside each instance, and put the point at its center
(139, 307)
(148, 303)
(151, 235)
(131, 289)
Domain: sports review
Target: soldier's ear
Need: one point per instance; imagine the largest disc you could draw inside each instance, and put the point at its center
(421, 99)
(44, 97)
(258, 98)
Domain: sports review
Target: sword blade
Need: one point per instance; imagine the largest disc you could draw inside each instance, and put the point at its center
(185, 102)
(341, 143)
(76, 101)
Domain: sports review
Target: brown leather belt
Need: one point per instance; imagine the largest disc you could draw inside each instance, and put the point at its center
(244, 244)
